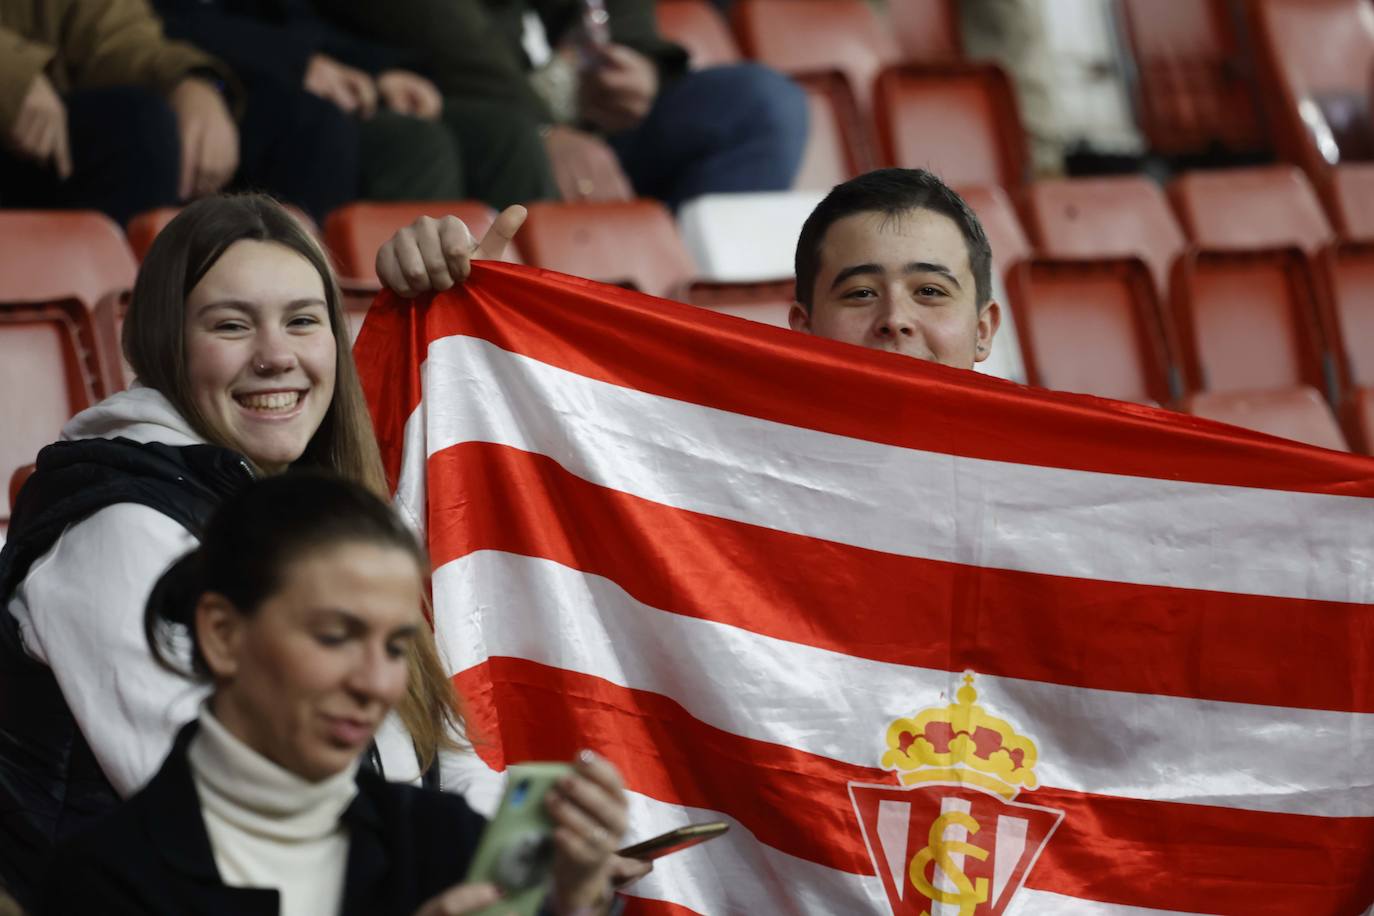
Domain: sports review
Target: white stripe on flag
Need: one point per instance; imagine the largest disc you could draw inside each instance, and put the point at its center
(1231, 755)
(736, 875)
(898, 500)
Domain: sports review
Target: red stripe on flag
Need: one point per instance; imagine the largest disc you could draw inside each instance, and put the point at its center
(1240, 648)
(1116, 850)
(640, 906)
(628, 339)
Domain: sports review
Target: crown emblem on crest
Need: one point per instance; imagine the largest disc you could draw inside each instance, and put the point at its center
(961, 743)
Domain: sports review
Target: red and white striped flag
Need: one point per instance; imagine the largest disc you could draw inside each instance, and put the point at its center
(930, 642)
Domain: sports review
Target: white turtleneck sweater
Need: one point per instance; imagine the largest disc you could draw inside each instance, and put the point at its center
(269, 827)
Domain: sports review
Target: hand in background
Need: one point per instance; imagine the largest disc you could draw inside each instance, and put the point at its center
(209, 139)
(433, 254)
(617, 93)
(350, 89)
(584, 167)
(410, 94)
(40, 129)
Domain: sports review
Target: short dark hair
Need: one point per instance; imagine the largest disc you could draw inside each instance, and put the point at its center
(892, 192)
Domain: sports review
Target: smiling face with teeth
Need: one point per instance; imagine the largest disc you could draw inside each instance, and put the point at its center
(260, 353)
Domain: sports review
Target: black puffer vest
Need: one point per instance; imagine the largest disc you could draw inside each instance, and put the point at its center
(50, 783)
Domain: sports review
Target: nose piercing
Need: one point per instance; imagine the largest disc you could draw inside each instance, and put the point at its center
(260, 366)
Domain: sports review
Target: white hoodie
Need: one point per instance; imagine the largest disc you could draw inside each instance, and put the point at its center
(80, 608)
(80, 611)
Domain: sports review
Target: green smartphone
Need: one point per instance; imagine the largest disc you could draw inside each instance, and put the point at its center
(516, 849)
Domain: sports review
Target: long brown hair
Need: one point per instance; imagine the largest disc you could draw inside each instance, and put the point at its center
(154, 342)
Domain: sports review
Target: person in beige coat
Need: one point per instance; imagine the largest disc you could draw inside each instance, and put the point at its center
(100, 110)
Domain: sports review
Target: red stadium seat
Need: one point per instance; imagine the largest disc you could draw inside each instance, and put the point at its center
(145, 226)
(1240, 209)
(1349, 330)
(52, 254)
(1350, 325)
(838, 146)
(354, 232)
(927, 30)
(1315, 58)
(834, 49)
(1118, 216)
(1349, 192)
(699, 27)
(633, 243)
(998, 218)
(47, 374)
(958, 120)
(1297, 413)
(1247, 321)
(766, 302)
(1359, 420)
(1194, 92)
(806, 36)
(1092, 326)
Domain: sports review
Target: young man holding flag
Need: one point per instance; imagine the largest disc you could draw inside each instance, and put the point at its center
(892, 260)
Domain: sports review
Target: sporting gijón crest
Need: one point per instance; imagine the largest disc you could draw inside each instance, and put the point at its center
(951, 840)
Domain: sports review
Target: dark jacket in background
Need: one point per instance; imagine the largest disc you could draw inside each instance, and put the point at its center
(81, 44)
(273, 37)
(152, 857)
(472, 48)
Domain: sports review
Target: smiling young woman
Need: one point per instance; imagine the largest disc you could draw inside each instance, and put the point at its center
(237, 336)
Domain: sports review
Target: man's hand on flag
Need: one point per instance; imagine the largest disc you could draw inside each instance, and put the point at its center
(433, 254)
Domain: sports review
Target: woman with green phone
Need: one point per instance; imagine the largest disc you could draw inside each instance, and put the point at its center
(299, 606)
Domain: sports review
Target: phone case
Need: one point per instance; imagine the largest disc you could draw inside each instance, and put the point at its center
(516, 849)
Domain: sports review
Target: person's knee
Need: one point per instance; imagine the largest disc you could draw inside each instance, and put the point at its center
(765, 101)
(405, 158)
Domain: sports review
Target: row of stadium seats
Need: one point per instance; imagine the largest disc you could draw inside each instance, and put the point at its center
(1215, 297)
(1260, 77)
(873, 93)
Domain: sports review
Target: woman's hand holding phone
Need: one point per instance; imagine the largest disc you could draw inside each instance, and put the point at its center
(588, 809)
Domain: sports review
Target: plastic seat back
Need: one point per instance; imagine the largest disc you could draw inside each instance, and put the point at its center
(52, 254)
(766, 302)
(1350, 326)
(1092, 326)
(745, 237)
(838, 145)
(1315, 57)
(999, 221)
(1350, 201)
(1110, 217)
(47, 374)
(634, 243)
(145, 226)
(958, 120)
(1252, 208)
(1247, 321)
(1297, 413)
(927, 30)
(803, 36)
(354, 232)
(1194, 89)
(699, 27)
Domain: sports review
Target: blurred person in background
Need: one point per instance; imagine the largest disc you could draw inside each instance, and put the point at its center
(413, 143)
(619, 110)
(299, 607)
(98, 109)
